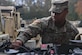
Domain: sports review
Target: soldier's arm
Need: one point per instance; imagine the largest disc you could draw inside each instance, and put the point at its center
(74, 32)
(32, 30)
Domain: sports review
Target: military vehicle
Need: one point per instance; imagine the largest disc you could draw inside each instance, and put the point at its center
(9, 21)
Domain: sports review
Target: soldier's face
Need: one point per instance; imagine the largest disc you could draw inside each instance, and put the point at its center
(59, 16)
(55, 15)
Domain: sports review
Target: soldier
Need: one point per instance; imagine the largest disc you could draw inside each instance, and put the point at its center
(53, 29)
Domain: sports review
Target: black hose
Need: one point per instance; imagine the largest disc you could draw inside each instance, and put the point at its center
(4, 45)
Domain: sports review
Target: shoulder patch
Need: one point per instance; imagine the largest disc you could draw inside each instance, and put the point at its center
(36, 21)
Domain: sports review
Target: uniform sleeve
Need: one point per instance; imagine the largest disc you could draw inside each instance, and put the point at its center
(73, 32)
(32, 30)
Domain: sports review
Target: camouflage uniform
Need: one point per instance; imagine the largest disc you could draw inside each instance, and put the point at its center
(49, 32)
(47, 29)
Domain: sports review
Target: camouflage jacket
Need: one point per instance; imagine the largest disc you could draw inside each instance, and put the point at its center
(49, 32)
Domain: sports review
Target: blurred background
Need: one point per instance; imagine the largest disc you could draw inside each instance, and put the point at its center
(39, 8)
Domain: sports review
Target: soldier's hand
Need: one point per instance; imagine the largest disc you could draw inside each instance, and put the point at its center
(16, 44)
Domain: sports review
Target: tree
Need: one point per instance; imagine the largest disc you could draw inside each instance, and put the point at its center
(36, 10)
(6, 3)
(72, 14)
